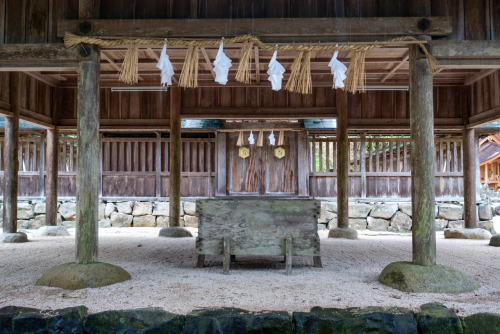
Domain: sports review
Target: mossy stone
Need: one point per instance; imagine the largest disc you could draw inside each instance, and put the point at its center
(410, 277)
(175, 232)
(344, 233)
(437, 318)
(74, 276)
(13, 238)
(482, 323)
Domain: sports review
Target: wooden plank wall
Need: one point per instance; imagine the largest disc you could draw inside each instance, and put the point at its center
(485, 99)
(25, 21)
(36, 97)
(387, 167)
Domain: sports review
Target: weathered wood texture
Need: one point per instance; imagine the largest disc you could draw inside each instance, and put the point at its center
(343, 158)
(175, 157)
(258, 227)
(11, 162)
(422, 155)
(87, 176)
(485, 101)
(470, 211)
(52, 159)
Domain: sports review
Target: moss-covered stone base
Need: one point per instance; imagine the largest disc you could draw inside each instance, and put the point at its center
(409, 277)
(175, 232)
(74, 276)
(345, 233)
(13, 238)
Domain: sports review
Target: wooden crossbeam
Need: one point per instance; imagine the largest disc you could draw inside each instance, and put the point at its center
(207, 61)
(37, 57)
(257, 66)
(43, 78)
(476, 77)
(275, 28)
(465, 49)
(395, 68)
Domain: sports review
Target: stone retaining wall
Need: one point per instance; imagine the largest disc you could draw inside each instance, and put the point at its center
(375, 216)
(430, 318)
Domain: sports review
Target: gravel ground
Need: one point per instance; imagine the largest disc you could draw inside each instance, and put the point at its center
(163, 275)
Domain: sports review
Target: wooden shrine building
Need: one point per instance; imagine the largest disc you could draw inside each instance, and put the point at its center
(96, 136)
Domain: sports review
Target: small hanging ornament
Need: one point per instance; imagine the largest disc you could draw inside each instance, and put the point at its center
(279, 152)
(338, 71)
(167, 70)
(222, 64)
(275, 72)
(244, 152)
(251, 139)
(272, 140)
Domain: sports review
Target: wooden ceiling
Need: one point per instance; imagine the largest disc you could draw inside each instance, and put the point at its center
(387, 66)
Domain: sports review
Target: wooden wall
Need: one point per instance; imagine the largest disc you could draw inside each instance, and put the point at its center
(30, 21)
(485, 100)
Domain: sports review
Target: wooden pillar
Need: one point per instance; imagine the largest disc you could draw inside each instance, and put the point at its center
(10, 159)
(363, 165)
(87, 175)
(422, 157)
(175, 157)
(342, 161)
(469, 170)
(52, 163)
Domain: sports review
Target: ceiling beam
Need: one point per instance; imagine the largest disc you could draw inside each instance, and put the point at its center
(207, 61)
(43, 78)
(476, 77)
(274, 29)
(395, 68)
(27, 57)
(113, 64)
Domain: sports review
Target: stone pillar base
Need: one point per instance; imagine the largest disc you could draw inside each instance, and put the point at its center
(52, 231)
(344, 233)
(175, 232)
(467, 233)
(13, 238)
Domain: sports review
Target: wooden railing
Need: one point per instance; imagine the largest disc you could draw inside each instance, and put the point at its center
(380, 167)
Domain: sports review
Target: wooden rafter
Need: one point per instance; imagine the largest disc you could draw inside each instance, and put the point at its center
(113, 64)
(43, 78)
(395, 68)
(207, 61)
(476, 77)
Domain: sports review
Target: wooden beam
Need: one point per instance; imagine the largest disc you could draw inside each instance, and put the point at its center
(476, 77)
(36, 57)
(486, 117)
(277, 28)
(207, 61)
(10, 158)
(175, 157)
(88, 9)
(465, 49)
(40, 77)
(113, 64)
(257, 66)
(422, 159)
(395, 68)
(52, 162)
(469, 167)
(259, 112)
(342, 161)
(87, 176)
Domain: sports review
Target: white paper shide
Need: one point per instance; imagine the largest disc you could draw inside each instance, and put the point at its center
(251, 139)
(272, 140)
(222, 63)
(275, 72)
(338, 71)
(164, 64)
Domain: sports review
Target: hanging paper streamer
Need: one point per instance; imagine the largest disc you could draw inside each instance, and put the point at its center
(167, 70)
(272, 140)
(338, 71)
(281, 138)
(275, 72)
(189, 74)
(244, 68)
(129, 72)
(260, 139)
(239, 142)
(251, 139)
(222, 64)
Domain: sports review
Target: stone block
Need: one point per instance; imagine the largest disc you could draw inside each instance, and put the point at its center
(333, 223)
(450, 211)
(190, 208)
(68, 210)
(482, 323)
(359, 210)
(40, 208)
(384, 210)
(326, 216)
(144, 221)
(109, 209)
(322, 227)
(23, 224)
(192, 221)
(24, 210)
(495, 240)
(68, 223)
(162, 221)
(441, 224)
(467, 233)
(37, 222)
(405, 207)
(377, 224)
(124, 207)
(161, 209)
(142, 208)
(456, 224)
(105, 223)
(118, 219)
(401, 221)
(100, 212)
(487, 225)
(484, 212)
(329, 206)
(358, 223)
(437, 318)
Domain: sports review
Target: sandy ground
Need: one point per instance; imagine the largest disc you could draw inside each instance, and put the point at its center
(163, 275)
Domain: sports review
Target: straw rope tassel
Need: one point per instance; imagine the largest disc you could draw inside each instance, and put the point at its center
(294, 73)
(355, 75)
(260, 140)
(281, 138)
(189, 74)
(244, 68)
(304, 85)
(239, 142)
(130, 68)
